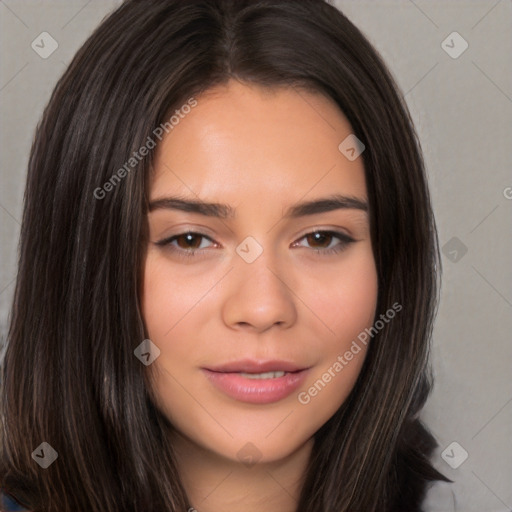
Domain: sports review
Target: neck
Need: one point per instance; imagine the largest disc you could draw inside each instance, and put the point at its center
(214, 483)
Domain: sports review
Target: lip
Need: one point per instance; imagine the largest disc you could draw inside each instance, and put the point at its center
(228, 380)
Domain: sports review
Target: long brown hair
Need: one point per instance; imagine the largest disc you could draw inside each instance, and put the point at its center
(69, 377)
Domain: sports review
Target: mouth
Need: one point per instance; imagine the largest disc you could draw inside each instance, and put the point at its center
(263, 375)
(257, 382)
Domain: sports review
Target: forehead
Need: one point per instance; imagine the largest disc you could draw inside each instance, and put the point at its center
(242, 141)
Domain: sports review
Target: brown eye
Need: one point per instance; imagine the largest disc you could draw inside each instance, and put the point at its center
(319, 238)
(185, 243)
(322, 241)
(189, 241)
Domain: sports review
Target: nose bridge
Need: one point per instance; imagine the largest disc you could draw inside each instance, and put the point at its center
(258, 293)
(262, 277)
(261, 274)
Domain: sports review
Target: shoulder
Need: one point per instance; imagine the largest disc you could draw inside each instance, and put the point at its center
(7, 504)
(439, 498)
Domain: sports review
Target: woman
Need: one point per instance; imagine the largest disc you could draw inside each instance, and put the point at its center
(228, 272)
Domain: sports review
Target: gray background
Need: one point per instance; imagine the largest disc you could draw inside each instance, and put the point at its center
(462, 109)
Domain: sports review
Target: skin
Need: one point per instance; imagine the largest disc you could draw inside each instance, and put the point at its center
(259, 151)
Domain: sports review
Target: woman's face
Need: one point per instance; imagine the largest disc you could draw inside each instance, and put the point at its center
(254, 313)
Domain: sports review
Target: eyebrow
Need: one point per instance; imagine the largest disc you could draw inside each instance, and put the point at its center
(224, 211)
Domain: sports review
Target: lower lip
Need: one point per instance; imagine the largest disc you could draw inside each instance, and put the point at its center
(256, 391)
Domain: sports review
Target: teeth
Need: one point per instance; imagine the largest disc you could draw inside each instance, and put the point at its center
(266, 375)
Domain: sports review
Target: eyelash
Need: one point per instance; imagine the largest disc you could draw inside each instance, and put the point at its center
(345, 241)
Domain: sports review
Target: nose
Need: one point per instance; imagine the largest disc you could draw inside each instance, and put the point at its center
(258, 297)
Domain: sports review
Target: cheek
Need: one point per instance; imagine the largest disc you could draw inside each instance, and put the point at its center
(343, 299)
(168, 296)
(165, 300)
(173, 309)
(346, 308)
(158, 301)
(153, 300)
(357, 299)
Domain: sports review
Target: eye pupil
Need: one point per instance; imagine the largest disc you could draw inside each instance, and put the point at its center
(189, 241)
(318, 237)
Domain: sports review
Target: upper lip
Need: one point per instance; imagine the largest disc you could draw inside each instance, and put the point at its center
(251, 366)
